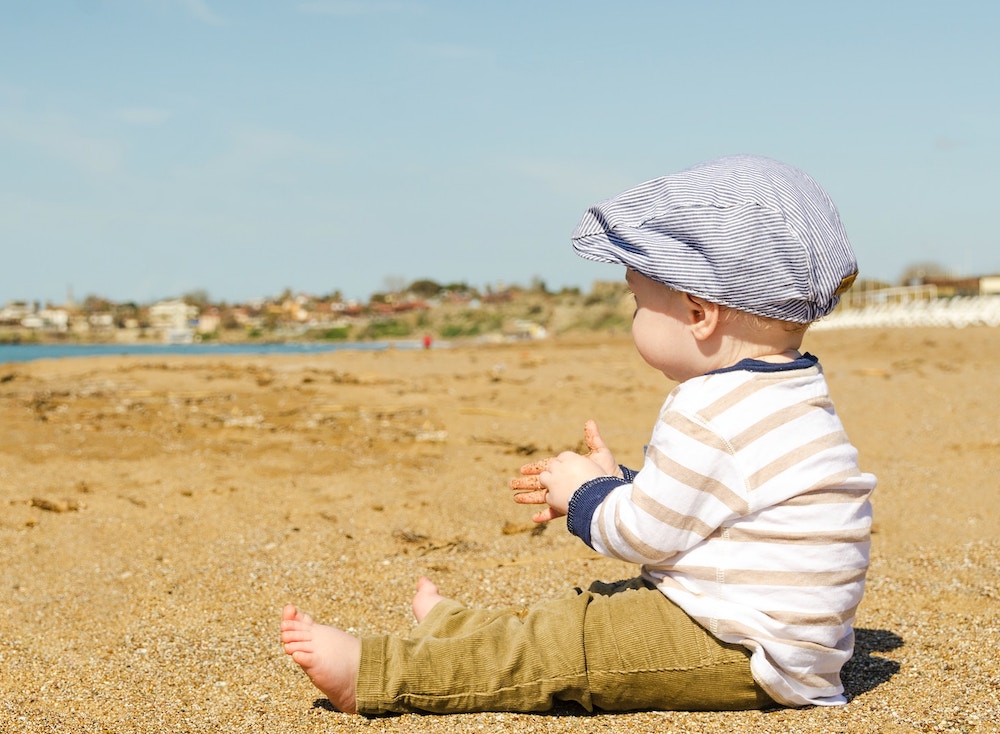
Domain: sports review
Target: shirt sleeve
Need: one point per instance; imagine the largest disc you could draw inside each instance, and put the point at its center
(584, 503)
(588, 497)
(688, 487)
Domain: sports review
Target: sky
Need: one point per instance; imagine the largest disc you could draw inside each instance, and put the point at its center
(153, 148)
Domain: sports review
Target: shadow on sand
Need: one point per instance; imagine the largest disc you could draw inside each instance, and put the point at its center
(864, 671)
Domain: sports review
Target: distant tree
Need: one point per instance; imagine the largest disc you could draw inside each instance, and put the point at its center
(229, 320)
(198, 297)
(424, 288)
(95, 304)
(538, 285)
(459, 287)
(124, 311)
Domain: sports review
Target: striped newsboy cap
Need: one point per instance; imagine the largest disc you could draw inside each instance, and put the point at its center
(742, 231)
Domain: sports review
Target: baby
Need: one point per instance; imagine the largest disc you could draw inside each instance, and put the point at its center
(748, 521)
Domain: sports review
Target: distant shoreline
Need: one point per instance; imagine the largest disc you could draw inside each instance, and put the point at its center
(31, 352)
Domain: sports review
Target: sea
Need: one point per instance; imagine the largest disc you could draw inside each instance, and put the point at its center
(10, 353)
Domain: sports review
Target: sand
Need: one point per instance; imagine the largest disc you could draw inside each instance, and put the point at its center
(156, 513)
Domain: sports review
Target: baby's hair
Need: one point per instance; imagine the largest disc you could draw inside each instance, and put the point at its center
(763, 323)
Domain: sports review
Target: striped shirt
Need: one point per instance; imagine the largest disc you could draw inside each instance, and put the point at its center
(751, 514)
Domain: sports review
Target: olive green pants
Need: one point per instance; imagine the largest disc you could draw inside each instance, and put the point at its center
(615, 647)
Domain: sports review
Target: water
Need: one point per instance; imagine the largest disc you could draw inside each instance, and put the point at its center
(32, 352)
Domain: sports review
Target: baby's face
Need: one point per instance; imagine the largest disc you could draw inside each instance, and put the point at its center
(660, 326)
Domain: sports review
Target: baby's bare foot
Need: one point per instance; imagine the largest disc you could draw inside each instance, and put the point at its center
(329, 656)
(426, 597)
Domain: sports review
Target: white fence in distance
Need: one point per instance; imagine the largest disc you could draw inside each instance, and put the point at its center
(956, 312)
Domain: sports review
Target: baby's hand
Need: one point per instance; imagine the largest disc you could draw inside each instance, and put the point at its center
(565, 472)
(599, 453)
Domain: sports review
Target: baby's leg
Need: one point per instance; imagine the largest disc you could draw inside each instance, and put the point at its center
(459, 660)
(329, 656)
(426, 598)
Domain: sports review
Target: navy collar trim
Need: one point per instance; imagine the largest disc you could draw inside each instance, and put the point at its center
(755, 365)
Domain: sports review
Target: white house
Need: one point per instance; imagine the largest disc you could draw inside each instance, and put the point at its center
(990, 285)
(14, 312)
(173, 320)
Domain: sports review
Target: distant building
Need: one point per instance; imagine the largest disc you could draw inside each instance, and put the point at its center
(210, 322)
(949, 287)
(101, 321)
(56, 319)
(990, 285)
(173, 321)
(14, 313)
(46, 319)
(523, 329)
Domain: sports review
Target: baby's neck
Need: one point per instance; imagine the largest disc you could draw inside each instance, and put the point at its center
(788, 355)
(764, 345)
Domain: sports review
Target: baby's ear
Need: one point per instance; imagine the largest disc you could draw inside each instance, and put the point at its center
(703, 316)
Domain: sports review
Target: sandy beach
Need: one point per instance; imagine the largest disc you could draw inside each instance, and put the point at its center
(155, 515)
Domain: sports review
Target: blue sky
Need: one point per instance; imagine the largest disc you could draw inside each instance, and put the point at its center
(149, 148)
